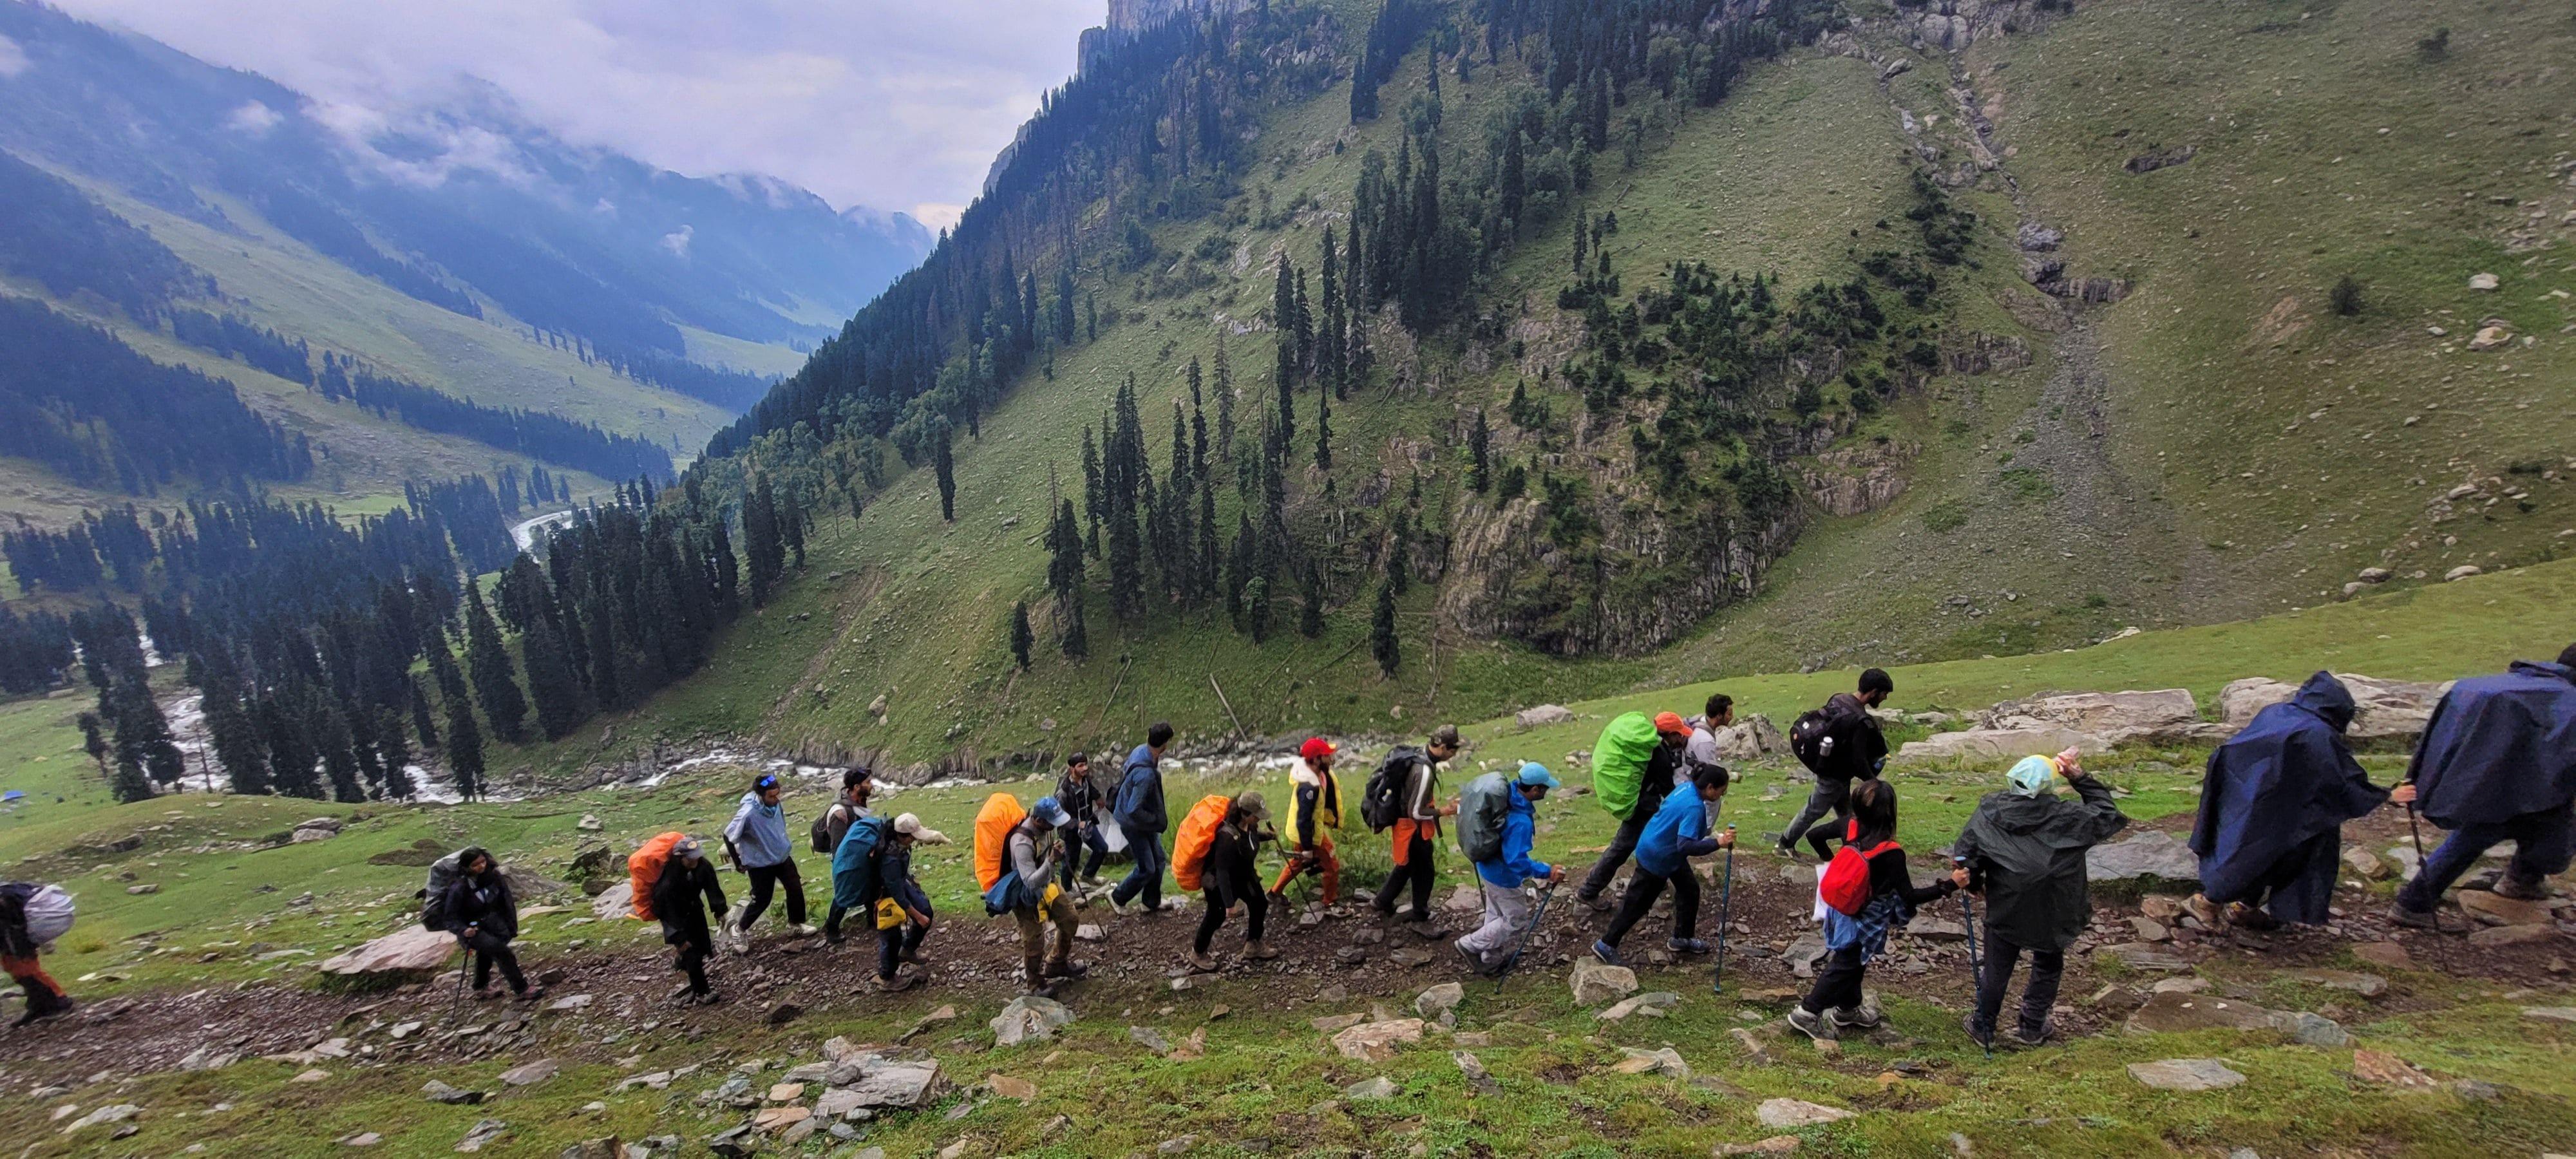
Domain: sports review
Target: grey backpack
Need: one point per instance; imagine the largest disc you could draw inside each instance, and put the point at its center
(1482, 807)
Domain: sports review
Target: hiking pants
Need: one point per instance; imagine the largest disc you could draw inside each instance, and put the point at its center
(1146, 879)
(491, 950)
(1507, 910)
(1832, 794)
(765, 878)
(1317, 859)
(1256, 907)
(1033, 922)
(43, 993)
(1622, 844)
(2542, 844)
(1837, 982)
(2046, 966)
(1099, 848)
(693, 962)
(1643, 889)
(1412, 868)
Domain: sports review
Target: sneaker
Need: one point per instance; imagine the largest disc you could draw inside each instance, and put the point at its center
(1597, 903)
(2421, 919)
(2027, 1040)
(1475, 962)
(1118, 907)
(532, 993)
(804, 929)
(2203, 910)
(1609, 954)
(2520, 890)
(902, 981)
(1784, 847)
(1258, 951)
(2248, 917)
(1201, 964)
(1855, 1018)
(1687, 946)
(1982, 1037)
(1091, 881)
(1811, 1024)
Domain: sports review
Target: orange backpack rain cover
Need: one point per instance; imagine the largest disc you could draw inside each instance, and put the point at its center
(645, 868)
(993, 825)
(1198, 835)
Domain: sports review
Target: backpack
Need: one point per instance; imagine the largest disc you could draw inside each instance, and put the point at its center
(433, 904)
(1197, 835)
(1382, 799)
(993, 824)
(1845, 884)
(823, 828)
(1814, 737)
(1619, 761)
(645, 868)
(1482, 807)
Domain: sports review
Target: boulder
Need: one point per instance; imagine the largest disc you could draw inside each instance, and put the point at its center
(1029, 1018)
(616, 901)
(1376, 1041)
(1439, 1000)
(2391, 955)
(2185, 1074)
(2175, 1013)
(2313, 1030)
(481, 1135)
(1654, 1005)
(2365, 864)
(2366, 985)
(2151, 854)
(2380, 1068)
(408, 950)
(1991, 744)
(2165, 715)
(1933, 929)
(1596, 982)
(528, 1074)
(2511, 936)
(1545, 714)
(1750, 738)
(1380, 1087)
(1666, 1061)
(2383, 709)
(305, 836)
(1780, 1114)
(883, 1083)
(2495, 909)
(2487, 338)
(2483, 281)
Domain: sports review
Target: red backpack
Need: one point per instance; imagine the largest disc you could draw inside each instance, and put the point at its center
(1846, 882)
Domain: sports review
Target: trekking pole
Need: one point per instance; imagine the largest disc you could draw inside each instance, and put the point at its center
(1537, 916)
(1725, 901)
(1976, 965)
(457, 1003)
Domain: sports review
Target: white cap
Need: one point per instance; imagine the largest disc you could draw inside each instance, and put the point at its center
(910, 826)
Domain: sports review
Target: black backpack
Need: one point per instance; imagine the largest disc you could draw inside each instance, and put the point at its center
(823, 830)
(433, 894)
(1382, 802)
(1816, 735)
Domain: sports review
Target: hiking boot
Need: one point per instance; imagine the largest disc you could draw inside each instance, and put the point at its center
(1201, 963)
(1258, 951)
(1609, 954)
(2520, 890)
(1475, 961)
(1067, 968)
(532, 993)
(2248, 917)
(2203, 910)
(2421, 919)
(1811, 1024)
(486, 993)
(902, 981)
(1687, 946)
(57, 1009)
(1855, 1018)
(1598, 903)
(916, 957)
(1982, 1036)
(2029, 1039)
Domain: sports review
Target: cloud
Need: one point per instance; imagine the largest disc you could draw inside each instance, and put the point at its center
(253, 118)
(677, 241)
(13, 59)
(865, 102)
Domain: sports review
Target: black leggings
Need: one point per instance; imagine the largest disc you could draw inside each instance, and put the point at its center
(1416, 870)
(2046, 966)
(1255, 908)
(492, 950)
(1837, 982)
(764, 878)
(1643, 889)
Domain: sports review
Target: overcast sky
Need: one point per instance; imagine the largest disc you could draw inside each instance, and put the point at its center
(866, 102)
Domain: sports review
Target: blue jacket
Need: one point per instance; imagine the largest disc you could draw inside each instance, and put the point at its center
(1520, 831)
(759, 833)
(2286, 779)
(1676, 833)
(2499, 747)
(1139, 807)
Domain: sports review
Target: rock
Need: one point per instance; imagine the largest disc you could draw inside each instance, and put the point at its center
(733, 1143)
(306, 836)
(116, 1113)
(331, 825)
(361, 1139)
(139, 890)
(310, 1076)
(2034, 237)
(2179, 1013)
(590, 823)
(890, 1084)
(616, 901)
(2185, 1074)
(2511, 936)
(2149, 929)
(2483, 281)
(1750, 738)
(2380, 1068)
(439, 1092)
(1775, 1145)
(1933, 929)
(482, 1132)
(2465, 570)
(2308, 1029)
(1176, 1146)
(2151, 854)
(405, 951)
(1336, 1023)
(2366, 985)
(2146, 956)
(2167, 715)
(1376, 1041)
(1087, 932)
(2550, 1013)
(2386, 954)
(1652, 1005)
(1989, 744)
(1809, 948)
(2365, 864)
(1780, 1114)
(1409, 958)
(1153, 1040)
(1753, 1050)
(1595, 982)
(1009, 1087)
(1474, 1071)
(1466, 899)
(2383, 709)
(1029, 1017)
(2180, 986)
(1667, 1062)
(1439, 1000)
(776, 1118)
(1545, 714)
(2498, 910)
(786, 1092)
(1380, 1087)
(529, 1074)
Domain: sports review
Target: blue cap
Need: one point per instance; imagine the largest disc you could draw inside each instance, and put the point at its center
(1534, 773)
(1049, 810)
(766, 782)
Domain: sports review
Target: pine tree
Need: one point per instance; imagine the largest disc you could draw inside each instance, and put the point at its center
(551, 685)
(421, 723)
(1324, 430)
(1064, 555)
(1480, 440)
(1095, 500)
(1310, 610)
(942, 461)
(1224, 403)
(129, 783)
(1021, 635)
(231, 734)
(1382, 642)
(1399, 537)
(393, 752)
(768, 556)
(1285, 431)
(290, 751)
(496, 686)
(1077, 638)
(464, 751)
(329, 728)
(93, 741)
(141, 731)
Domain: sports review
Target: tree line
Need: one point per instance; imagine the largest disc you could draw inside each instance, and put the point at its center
(579, 445)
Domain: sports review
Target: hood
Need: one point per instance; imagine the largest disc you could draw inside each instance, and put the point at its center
(2328, 698)
(2544, 668)
(1301, 773)
(753, 800)
(2020, 815)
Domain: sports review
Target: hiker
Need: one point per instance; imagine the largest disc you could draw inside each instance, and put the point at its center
(31, 917)
(1500, 878)
(1079, 796)
(1138, 810)
(2498, 763)
(686, 880)
(857, 785)
(1868, 876)
(756, 842)
(484, 917)
(2272, 808)
(1417, 825)
(2024, 848)
(1663, 765)
(1677, 832)
(872, 878)
(1848, 747)
(902, 941)
(1229, 877)
(1036, 900)
(1315, 807)
(1715, 716)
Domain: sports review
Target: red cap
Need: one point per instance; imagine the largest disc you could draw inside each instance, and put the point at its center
(1670, 722)
(1316, 746)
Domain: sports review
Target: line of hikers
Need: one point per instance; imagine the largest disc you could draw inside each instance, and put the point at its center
(2497, 763)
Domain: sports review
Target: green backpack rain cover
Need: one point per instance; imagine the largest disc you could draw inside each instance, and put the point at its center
(1619, 761)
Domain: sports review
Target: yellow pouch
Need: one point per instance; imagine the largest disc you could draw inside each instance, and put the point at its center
(889, 914)
(1053, 891)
